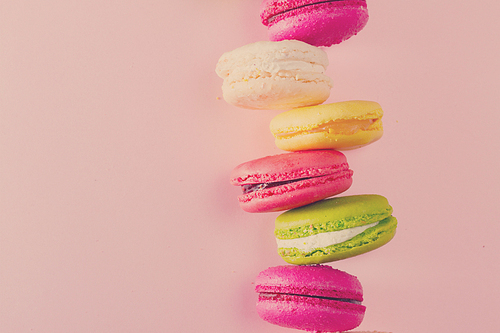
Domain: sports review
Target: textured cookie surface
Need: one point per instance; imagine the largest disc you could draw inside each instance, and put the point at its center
(314, 298)
(314, 280)
(320, 23)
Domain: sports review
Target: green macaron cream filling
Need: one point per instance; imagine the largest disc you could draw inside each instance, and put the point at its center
(334, 229)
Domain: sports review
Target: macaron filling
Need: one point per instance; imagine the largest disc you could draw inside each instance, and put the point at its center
(343, 126)
(249, 188)
(298, 70)
(371, 238)
(321, 240)
(295, 5)
(284, 296)
(339, 171)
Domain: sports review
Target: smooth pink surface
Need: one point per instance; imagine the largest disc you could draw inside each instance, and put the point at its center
(315, 22)
(282, 302)
(316, 175)
(115, 210)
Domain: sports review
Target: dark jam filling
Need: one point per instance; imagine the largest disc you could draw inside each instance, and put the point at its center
(272, 18)
(257, 187)
(346, 300)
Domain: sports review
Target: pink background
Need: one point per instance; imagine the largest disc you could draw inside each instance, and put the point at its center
(116, 213)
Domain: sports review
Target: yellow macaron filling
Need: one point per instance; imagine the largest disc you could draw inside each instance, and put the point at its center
(343, 126)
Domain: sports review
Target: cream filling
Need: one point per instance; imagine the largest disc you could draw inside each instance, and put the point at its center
(272, 66)
(298, 70)
(325, 239)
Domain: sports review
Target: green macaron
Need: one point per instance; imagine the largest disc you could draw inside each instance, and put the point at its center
(334, 229)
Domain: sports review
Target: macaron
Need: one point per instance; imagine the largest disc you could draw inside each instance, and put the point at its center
(274, 75)
(334, 229)
(290, 180)
(342, 125)
(317, 22)
(315, 298)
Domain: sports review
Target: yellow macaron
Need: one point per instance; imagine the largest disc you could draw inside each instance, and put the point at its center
(342, 126)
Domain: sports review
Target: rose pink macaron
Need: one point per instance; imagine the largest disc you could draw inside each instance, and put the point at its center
(316, 22)
(291, 180)
(315, 298)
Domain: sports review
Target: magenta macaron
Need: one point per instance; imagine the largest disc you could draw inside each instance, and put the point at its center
(290, 180)
(312, 298)
(316, 22)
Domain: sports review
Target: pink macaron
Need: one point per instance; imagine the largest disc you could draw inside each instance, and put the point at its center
(316, 22)
(312, 298)
(291, 180)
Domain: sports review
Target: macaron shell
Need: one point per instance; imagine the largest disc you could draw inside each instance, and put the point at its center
(320, 24)
(309, 117)
(268, 53)
(304, 128)
(277, 93)
(314, 280)
(288, 166)
(311, 314)
(326, 140)
(367, 241)
(331, 215)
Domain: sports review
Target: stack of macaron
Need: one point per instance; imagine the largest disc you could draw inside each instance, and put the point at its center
(317, 226)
